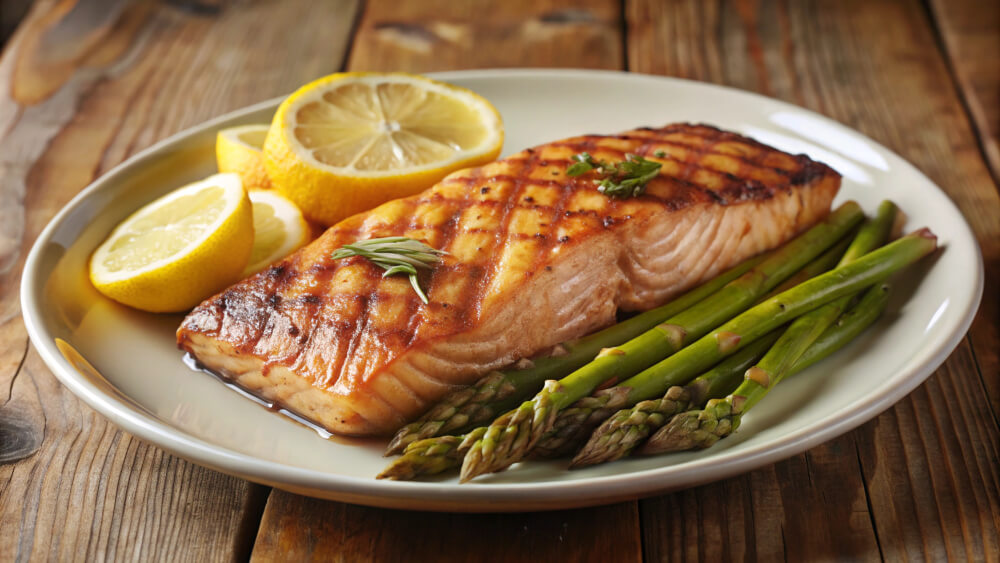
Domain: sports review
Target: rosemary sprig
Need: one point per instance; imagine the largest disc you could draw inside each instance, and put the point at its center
(627, 178)
(396, 255)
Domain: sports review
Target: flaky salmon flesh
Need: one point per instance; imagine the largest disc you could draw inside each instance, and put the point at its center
(534, 258)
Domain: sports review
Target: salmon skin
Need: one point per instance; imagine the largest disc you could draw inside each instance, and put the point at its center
(535, 258)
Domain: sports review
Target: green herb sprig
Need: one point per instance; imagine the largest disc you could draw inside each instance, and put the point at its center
(396, 255)
(627, 178)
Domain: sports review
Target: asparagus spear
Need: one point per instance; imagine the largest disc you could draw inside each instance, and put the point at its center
(499, 391)
(575, 423)
(826, 262)
(626, 428)
(700, 429)
(430, 456)
(513, 434)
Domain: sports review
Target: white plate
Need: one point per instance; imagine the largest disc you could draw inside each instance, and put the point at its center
(141, 384)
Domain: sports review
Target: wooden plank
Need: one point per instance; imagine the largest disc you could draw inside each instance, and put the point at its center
(970, 31)
(69, 110)
(971, 34)
(748, 518)
(931, 464)
(927, 468)
(444, 35)
(441, 35)
(296, 528)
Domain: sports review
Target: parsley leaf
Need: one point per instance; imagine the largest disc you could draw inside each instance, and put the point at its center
(627, 178)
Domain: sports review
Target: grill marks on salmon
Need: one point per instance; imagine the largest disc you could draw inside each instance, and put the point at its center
(534, 258)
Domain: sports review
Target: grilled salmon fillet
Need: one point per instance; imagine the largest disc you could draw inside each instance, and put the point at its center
(534, 258)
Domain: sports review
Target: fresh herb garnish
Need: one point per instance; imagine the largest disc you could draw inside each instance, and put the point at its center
(396, 255)
(627, 178)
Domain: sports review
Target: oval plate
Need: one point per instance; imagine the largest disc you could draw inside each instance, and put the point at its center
(125, 364)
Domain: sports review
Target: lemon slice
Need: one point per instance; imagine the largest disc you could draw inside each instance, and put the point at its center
(348, 142)
(278, 229)
(179, 249)
(238, 149)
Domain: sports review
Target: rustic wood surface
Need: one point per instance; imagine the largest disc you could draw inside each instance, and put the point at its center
(83, 85)
(969, 33)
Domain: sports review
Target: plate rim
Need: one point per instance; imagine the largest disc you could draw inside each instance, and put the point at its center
(484, 497)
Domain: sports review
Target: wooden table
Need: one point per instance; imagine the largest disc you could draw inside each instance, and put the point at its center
(83, 86)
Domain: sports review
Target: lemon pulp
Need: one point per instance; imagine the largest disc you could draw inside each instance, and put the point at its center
(179, 249)
(348, 142)
(279, 229)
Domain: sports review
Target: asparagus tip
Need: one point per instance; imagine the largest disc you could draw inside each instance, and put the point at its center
(400, 440)
(674, 437)
(926, 233)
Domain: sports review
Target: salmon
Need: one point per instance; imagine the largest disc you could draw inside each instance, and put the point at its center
(534, 258)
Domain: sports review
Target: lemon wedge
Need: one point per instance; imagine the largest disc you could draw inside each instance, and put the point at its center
(238, 149)
(178, 250)
(279, 229)
(348, 142)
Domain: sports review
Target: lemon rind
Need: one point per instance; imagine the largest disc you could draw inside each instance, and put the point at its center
(232, 134)
(292, 243)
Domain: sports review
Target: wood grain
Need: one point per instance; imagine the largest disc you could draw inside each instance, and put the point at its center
(90, 491)
(920, 480)
(295, 528)
(932, 467)
(971, 35)
(801, 509)
(970, 32)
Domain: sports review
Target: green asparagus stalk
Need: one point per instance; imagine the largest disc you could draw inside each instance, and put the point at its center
(500, 391)
(626, 428)
(575, 423)
(512, 435)
(700, 429)
(824, 263)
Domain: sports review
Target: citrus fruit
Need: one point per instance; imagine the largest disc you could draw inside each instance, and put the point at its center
(178, 250)
(238, 149)
(348, 142)
(278, 229)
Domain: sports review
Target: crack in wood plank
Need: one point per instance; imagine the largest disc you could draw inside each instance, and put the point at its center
(16, 372)
(968, 33)
(868, 501)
